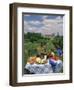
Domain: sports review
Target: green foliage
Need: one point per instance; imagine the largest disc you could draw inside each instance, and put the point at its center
(35, 43)
(58, 41)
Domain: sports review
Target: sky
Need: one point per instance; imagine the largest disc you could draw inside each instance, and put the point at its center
(44, 24)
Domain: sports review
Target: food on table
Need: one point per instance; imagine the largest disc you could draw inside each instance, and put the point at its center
(31, 60)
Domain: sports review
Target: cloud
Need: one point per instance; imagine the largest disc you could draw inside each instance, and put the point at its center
(58, 17)
(46, 26)
(34, 22)
(44, 17)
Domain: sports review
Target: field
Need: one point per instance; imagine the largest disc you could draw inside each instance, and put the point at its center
(36, 43)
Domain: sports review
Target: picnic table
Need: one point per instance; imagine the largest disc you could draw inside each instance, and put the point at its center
(39, 68)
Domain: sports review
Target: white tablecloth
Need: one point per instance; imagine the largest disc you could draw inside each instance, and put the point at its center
(39, 68)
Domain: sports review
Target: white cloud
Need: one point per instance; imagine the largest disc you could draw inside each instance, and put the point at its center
(53, 25)
(44, 17)
(49, 26)
(34, 22)
(58, 17)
